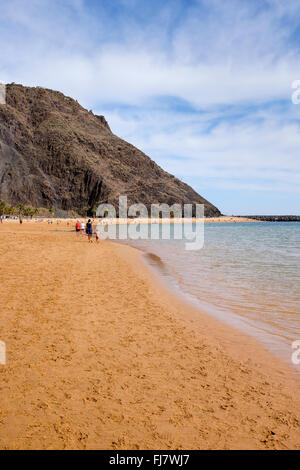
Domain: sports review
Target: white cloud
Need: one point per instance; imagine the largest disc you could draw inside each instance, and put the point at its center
(219, 57)
(247, 153)
(224, 56)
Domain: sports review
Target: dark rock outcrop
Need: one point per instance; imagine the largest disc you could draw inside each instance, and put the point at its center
(273, 218)
(54, 153)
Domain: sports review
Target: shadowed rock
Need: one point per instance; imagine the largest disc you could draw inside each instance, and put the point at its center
(54, 153)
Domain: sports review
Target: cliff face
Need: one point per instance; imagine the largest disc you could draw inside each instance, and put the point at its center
(54, 153)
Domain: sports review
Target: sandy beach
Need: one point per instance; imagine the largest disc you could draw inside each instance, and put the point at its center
(224, 219)
(100, 356)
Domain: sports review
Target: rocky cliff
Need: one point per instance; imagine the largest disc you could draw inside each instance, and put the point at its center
(54, 153)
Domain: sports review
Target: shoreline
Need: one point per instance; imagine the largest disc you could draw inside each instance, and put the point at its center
(101, 356)
(277, 348)
(118, 221)
(194, 315)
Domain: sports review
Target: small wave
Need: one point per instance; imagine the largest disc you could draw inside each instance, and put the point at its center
(156, 261)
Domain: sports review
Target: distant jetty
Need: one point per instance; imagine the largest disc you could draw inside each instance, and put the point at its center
(273, 218)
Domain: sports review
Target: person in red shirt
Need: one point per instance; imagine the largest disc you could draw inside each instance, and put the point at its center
(78, 227)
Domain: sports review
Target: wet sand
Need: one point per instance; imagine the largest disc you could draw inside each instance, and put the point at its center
(99, 356)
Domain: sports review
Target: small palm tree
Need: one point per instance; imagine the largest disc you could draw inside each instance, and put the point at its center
(94, 211)
(20, 208)
(26, 211)
(85, 210)
(3, 207)
(11, 210)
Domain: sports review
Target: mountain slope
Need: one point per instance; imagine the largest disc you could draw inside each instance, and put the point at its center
(54, 153)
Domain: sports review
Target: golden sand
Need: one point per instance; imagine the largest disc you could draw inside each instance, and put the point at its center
(99, 356)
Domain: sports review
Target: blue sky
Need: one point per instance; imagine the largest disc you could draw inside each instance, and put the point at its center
(202, 86)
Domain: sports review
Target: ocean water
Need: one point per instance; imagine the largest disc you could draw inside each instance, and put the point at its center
(247, 275)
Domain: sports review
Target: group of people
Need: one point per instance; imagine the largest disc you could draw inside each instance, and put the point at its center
(81, 227)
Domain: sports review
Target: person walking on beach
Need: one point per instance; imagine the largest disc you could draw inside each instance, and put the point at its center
(78, 227)
(82, 227)
(89, 230)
